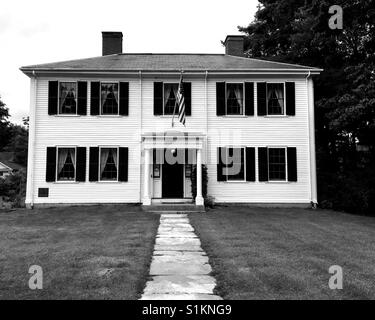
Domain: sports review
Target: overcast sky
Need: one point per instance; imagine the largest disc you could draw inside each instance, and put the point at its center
(41, 31)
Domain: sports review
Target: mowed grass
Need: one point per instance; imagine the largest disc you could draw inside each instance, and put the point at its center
(100, 252)
(264, 253)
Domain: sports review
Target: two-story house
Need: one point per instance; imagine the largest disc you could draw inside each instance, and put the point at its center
(100, 129)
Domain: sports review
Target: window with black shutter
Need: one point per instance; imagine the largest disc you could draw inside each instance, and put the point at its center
(263, 164)
(250, 164)
(235, 98)
(249, 98)
(290, 95)
(292, 164)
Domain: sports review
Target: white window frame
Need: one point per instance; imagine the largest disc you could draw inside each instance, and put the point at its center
(244, 163)
(243, 99)
(286, 164)
(100, 99)
(168, 115)
(284, 102)
(117, 164)
(57, 164)
(58, 99)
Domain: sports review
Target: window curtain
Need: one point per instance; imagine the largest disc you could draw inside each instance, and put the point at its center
(73, 156)
(114, 155)
(109, 91)
(238, 91)
(63, 155)
(167, 92)
(279, 94)
(104, 153)
(68, 95)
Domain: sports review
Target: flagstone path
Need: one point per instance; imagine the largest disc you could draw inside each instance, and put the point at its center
(179, 269)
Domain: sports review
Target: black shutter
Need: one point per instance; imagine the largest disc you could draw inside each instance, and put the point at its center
(94, 164)
(263, 164)
(262, 98)
(249, 98)
(124, 98)
(82, 98)
(158, 98)
(52, 97)
(221, 164)
(290, 92)
(81, 164)
(51, 164)
(187, 92)
(220, 98)
(123, 164)
(292, 164)
(95, 98)
(250, 164)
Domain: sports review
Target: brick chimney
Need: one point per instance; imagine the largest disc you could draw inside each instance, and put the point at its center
(112, 42)
(234, 45)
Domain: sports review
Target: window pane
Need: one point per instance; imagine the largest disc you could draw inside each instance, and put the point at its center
(66, 163)
(235, 98)
(277, 164)
(109, 98)
(236, 164)
(275, 98)
(170, 93)
(108, 164)
(68, 98)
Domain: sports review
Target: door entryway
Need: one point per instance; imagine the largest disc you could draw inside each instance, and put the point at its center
(173, 181)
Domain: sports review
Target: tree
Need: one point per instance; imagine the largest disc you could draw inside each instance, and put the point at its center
(4, 125)
(18, 144)
(296, 31)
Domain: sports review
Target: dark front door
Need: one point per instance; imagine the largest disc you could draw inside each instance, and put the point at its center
(173, 181)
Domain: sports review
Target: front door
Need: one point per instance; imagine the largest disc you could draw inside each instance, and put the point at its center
(173, 181)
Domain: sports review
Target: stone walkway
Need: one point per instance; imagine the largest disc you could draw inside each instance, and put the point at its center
(179, 267)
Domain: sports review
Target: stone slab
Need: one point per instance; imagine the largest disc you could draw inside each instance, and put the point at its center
(178, 284)
(192, 296)
(180, 265)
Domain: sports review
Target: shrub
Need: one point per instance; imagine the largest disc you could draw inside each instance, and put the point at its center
(208, 200)
(13, 188)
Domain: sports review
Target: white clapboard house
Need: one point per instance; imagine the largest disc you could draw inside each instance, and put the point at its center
(101, 129)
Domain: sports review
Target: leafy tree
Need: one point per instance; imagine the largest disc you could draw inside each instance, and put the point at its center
(18, 143)
(4, 125)
(296, 31)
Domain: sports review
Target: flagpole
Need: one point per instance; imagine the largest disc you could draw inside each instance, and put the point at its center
(174, 109)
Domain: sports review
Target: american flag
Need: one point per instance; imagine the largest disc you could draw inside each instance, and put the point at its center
(181, 102)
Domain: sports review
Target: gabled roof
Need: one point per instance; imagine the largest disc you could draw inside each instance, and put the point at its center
(6, 158)
(168, 62)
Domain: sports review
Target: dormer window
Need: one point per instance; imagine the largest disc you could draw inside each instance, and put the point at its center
(109, 98)
(68, 98)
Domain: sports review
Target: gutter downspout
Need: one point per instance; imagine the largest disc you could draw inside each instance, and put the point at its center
(31, 153)
(140, 135)
(312, 148)
(206, 106)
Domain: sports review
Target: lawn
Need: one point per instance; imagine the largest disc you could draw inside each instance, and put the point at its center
(264, 253)
(100, 252)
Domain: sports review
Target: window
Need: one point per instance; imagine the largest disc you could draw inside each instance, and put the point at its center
(66, 164)
(276, 164)
(108, 164)
(235, 101)
(109, 98)
(68, 98)
(236, 164)
(275, 98)
(170, 94)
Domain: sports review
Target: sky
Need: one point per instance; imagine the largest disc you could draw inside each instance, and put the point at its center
(42, 31)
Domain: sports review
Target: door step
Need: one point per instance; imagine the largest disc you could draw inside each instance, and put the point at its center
(174, 208)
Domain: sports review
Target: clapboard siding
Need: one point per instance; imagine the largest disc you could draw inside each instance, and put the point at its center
(86, 131)
(260, 131)
(254, 131)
